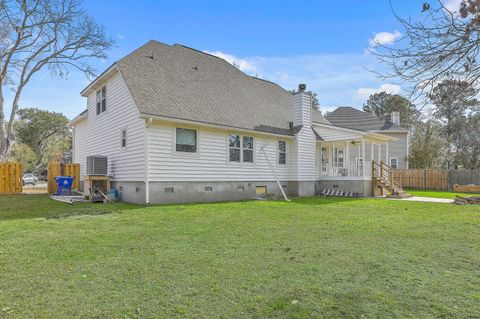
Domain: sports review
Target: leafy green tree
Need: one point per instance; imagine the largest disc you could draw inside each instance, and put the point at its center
(382, 104)
(24, 154)
(452, 100)
(468, 143)
(45, 133)
(427, 147)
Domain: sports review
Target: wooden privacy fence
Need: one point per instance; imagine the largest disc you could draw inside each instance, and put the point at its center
(55, 169)
(423, 178)
(463, 177)
(11, 178)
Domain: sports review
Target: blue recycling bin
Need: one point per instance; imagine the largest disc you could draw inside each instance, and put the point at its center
(64, 184)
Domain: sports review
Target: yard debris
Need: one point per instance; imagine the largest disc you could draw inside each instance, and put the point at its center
(473, 189)
(68, 199)
(338, 192)
(468, 200)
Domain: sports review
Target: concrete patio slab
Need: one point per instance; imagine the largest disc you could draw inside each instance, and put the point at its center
(425, 199)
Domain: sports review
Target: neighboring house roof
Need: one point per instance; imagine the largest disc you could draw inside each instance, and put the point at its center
(350, 117)
(178, 82)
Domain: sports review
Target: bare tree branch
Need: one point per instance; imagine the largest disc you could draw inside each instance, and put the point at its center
(37, 34)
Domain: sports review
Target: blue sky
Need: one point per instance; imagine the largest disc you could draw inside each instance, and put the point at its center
(320, 43)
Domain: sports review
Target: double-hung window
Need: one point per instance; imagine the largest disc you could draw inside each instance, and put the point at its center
(240, 148)
(248, 149)
(282, 152)
(186, 140)
(101, 100)
(394, 162)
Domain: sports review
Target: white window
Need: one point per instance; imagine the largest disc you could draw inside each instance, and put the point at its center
(186, 140)
(394, 162)
(240, 148)
(248, 149)
(282, 152)
(338, 157)
(324, 158)
(124, 138)
(101, 100)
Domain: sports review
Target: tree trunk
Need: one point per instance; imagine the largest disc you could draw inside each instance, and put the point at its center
(3, 137)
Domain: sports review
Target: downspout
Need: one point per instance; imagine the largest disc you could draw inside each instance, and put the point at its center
(147, 181)
(274, 173)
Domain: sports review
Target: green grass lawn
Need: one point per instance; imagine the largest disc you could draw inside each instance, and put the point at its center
(436, 194)
(314, 257)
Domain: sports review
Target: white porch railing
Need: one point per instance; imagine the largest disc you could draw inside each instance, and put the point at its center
(343, 169)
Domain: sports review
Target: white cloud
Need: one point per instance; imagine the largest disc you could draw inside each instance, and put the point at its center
(120, 37)
(452, 5)
(364, 93)
(245, 65)
(384, 38)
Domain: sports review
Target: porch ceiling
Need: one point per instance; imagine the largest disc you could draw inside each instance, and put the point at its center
(330, 133)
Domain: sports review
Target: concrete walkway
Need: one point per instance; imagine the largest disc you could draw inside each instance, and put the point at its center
(425, 199)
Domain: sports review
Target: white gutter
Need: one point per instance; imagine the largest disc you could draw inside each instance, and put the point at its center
(147, 180)
(210, 125)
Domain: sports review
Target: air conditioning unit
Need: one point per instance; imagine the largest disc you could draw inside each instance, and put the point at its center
(97, 165)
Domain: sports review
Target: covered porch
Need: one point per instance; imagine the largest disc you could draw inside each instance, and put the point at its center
(348, 154)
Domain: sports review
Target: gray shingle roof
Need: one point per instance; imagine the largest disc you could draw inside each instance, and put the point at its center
(352, 118)
(183, 83)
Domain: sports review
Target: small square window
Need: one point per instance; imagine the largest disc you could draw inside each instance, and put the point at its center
(168, 189)
(208, 189)
(186, 140)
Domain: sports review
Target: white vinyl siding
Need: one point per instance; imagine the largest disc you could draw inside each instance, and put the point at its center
(212, 161)
(398, 149)
(99, 135)
(304, 154)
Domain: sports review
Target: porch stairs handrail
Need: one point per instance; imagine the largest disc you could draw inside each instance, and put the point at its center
(383, 177)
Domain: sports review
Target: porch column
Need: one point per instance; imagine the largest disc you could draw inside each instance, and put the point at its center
(387, 160)
(347, 157)
(379, 152)
(364, 166)
(372, 155)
